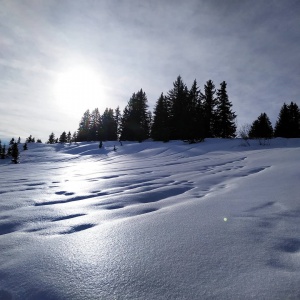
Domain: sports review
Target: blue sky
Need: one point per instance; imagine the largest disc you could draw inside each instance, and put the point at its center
(60, 58)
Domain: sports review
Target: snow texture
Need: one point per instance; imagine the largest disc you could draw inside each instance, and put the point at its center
(151, 220)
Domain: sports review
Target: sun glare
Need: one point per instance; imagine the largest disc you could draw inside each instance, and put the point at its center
(78, 89)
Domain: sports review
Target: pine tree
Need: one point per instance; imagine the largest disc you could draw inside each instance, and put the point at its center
(109, 125)
(14, 152)
(224, 125)
(178, 109)
(194, 120)
(83, 132)
(3, 152)
(19, 140)
(261, 128)
(294, 120)
(25, 147)
(288, 122)
(160, 130)
(51, 139)
(63, 138)
(209, 105)
(69, 137)
(12, 141)
(95, 125)
(135, 122)
(117, 121)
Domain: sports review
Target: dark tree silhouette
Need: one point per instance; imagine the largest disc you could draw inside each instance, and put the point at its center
(63, 138)
(178, 109)
(224, 126)
(209, 104)
(15, 152)
(160, 130)
(135, 121)
(261, 128)
(288, 122)
(51, 139)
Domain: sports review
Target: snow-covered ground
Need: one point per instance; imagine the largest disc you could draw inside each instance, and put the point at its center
(214, 220)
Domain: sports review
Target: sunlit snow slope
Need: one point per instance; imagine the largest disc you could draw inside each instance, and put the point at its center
(214, 220)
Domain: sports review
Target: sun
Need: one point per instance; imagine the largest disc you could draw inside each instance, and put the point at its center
(78, 89)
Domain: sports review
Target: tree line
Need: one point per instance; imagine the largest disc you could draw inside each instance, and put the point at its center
(181, 114)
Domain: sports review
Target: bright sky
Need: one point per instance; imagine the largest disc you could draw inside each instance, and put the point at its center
(60, 58)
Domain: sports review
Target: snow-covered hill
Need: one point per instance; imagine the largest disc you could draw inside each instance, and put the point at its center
(214, 220)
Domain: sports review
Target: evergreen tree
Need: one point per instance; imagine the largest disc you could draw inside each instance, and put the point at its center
(83, 133)
(109, 125)
(288, 123)
(29, 139)
(224, 126)
(117, 121)
(294, 120)
(63, 138)
(178, 109)
(14, 152)
(3, 152)
(209, 105)
(135, 121)
(261, 128)
(95, 125)
(69, 137)
(160, 130)
(74, 137)
(25, 147)
(12, 141)
(19, 140)
(51, 139)
(39, 141)
(194, 120)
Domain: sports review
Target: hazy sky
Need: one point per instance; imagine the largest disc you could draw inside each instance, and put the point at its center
(59, 58)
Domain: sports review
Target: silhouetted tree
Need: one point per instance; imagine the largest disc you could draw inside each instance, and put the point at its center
(83, 133)
(209, 104)
(261, 128)
(160, 130)
(25, 147)
(63, 138)
(224, 125)
(135, 121)
(69, 137)
(109, 125)
(51, 139)
(177, 99)
(15, 152)
(288, 122)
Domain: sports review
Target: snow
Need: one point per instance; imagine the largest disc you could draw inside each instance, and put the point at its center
(214, 220)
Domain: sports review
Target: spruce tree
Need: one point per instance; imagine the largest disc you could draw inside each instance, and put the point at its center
(294, 120)
(69, 137)
(51, 139)
(95, 125)
(194, 121)
(288, 122)
(63, 138)
(25, 147)
(209, 105)
(178, 109)
(224, 125)
(135, 121)
(261, 128)
(83, 132)
(15, 152)
(109, 125)
(160, 130)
